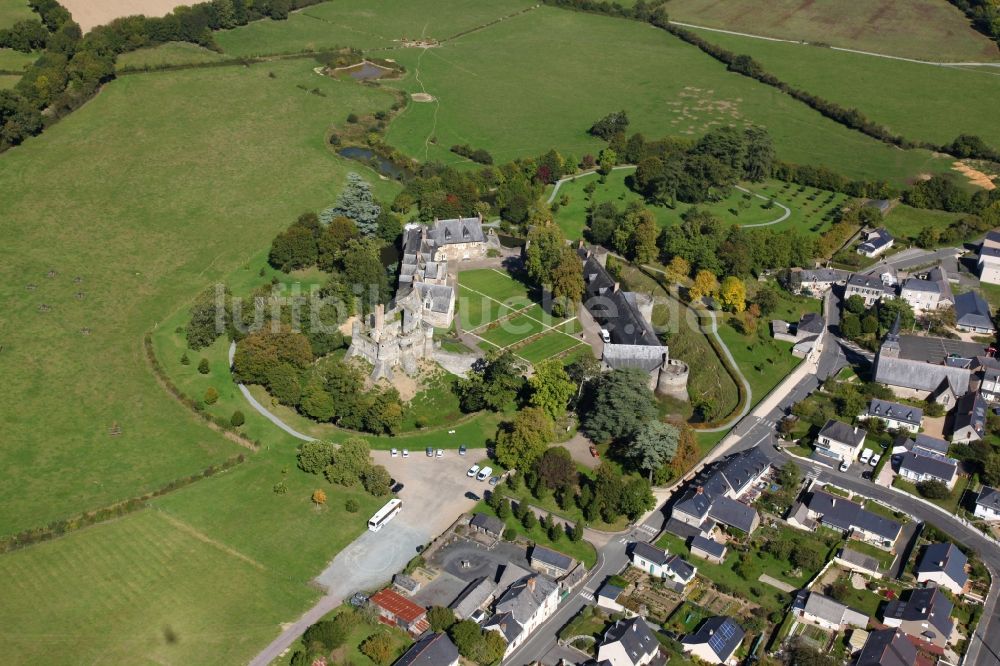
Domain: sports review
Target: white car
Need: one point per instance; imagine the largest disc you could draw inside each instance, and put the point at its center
(406, 453)
(394, 453)
(440, 453)
(484, 473)
(605, 336)
(865, 456)
(874, 460)
(844, 466)
(473, 471)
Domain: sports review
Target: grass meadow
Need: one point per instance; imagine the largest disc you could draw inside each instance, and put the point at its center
(532, 91)
(922, 29)
(905, 222)
(148, 213)
(171, 53)
(921, 102)
(15, 61)
(12, 11)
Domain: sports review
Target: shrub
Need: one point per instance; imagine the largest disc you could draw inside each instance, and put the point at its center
(184, 359)
(319, 497)
(933, 490)
(280, 488)
(203, 366)
(378, 647)
(329, 634)
(237, 419)
(352, 505)
(211, 395)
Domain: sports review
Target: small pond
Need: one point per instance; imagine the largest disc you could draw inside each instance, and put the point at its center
(366, 71)
(368, 156)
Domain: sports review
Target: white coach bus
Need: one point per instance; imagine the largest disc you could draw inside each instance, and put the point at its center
(385, 514)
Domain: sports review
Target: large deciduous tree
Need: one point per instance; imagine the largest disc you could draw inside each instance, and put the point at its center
(551, 388)
(523, 441)
(556, 468)
(733, 294)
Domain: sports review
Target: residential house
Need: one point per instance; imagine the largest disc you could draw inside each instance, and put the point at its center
(816, 282)
(828, 613)
(628, 643)
(970, 418)
(870, 288)
(895, 415)
(876, 242)
(925, 614)
(396, 610)
(925, 378)
(888, 647)
(929, 292)
(716, 640)
(522, 607)
(475, 596)
(917, 467)
(943, 564)
(841, 514)
(488, 525)
(660, 564)
(840, 441)
(712, 496)
(859, 562)
(989, 384)
(607, 598)
(972, 314)
(989, 258)
(405, 584)
(432, 650)
(988, 504)
(549, 562)
(925, 444)
(708, 549)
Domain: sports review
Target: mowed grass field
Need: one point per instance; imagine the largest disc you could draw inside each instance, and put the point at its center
(923, 29)
(167, 182)
(171, 53)
(521, 86)
(921, 102)
(364, 24)
(12, 11)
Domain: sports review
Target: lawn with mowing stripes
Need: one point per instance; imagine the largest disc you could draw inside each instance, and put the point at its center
(494, 283)
(475, 310)
(573, 327)
(510, 331)
(550, 344)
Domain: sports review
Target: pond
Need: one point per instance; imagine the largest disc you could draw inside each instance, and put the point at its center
(367, 70)
(377, 162)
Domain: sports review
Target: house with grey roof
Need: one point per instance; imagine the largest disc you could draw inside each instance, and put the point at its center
(625, 317)
(876, 242)
(989, 258)
(970, 418)
(607, 597)
(917, 467)
(859, 562)
(843, 515)
(925, 614)
(928, 292)
(715, 641)
(826, 612)
(896, 416)
(527, 603)
(943, 564)
(989, 382)
(708, 549)
(816, 282)
(432, 650)
(661, 564)
(922, 444)
(988, 504)
(488, 525)
(920, 378)
(804, 335)
(870, 288)
(549, 562)
(476, 595)
(887, 647)
(972, 314)
(841, 441)
(628, 643)
(712, 496)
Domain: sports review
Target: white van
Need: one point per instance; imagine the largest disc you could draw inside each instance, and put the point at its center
(605, 336)
(865, 456)
(484, 474)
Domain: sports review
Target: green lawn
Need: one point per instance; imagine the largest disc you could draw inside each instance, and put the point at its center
(512, 330)
(923, 29)
(668, 87)
(813, 210)
(171, 53)
(148, 588)
(12, 11)
(905, 222)
(545, 346)
(922, 102)
(495, 284)
(15, 61)
(949, 504)
(738, 208)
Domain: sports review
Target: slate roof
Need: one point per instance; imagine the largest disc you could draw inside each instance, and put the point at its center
(473, 597)
(741, 468)
(722, 634)
(928, 604)
(458, 230)
(887, 647)
(612, 309)
(551, 558)
(860, 281)
(523, 598)
(860, 559)
(989, 498)
(930, 444)
(971, 411)
(649, 553)
(946, 558)
(811, 323)
(989, 252)
(435, 297)
(644, 357)
(504, 622)
(710, 546)
(609, 591)
(876, 240)
(895, 411)
(843, 514)
(680, 567)
(844, 433)
(820, 275)
(433, 650)
(825, 608)
(733, 513)
(939, 467)
(971, 310)
(706, 496)
(992, 236)
(635, 637)
(489, 523)
(920, 375)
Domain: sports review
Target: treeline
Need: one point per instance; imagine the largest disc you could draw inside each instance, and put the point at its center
(72, 67)
(942, 193)
(823, 178)
(747, 66)
(984, 14)
(480, 155)
(58, 528)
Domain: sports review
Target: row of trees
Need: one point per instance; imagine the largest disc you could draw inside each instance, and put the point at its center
(941, 192)
(346, 465)
(555, 266)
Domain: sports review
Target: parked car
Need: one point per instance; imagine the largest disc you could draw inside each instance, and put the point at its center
(844, 466)
(440, 453)
(866, 455)
(406, 453)
(473, 496)
(484, 473)
(430, 451)
(494, 480)
(394, 453)
(462, 450)
(874, 460)
(594, 452)
(397, 487)
(473, 471)
(605, 335)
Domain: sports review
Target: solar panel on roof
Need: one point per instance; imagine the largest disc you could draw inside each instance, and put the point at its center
(722, 636)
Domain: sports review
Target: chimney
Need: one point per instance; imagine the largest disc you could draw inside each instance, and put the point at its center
(855, 430)
(617, 287)
(580, 244)
(531, 583)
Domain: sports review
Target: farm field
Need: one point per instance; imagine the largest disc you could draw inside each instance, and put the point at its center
(371, 24)
(90, 14)
(518, 112)
(921, 102)
(147, 588)
(143, 236)
(171, 53)
(922, 29)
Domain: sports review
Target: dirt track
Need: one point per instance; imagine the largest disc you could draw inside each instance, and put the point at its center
(92, 13)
